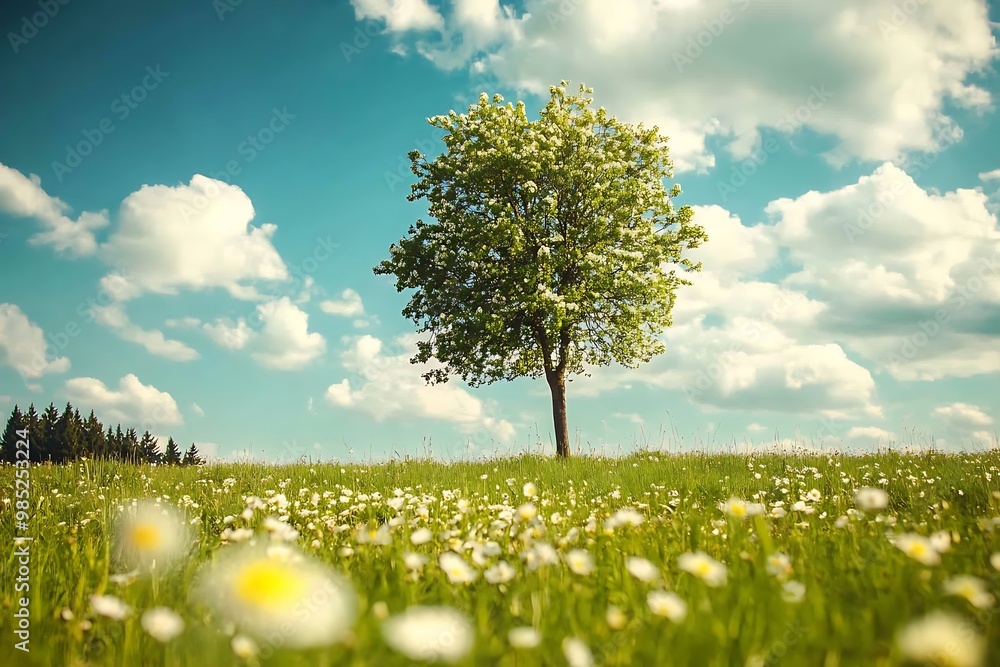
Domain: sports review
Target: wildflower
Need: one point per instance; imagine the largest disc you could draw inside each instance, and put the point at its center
(918, 548)
(616, 618)
(871, 500)
(151, 535)
(261, 589)
(971, 588)
(162, 623)
(109, 606)
(943, 639)
(457, 570)
(577, 653)
(740, 509)
(500, 573)
(703, 566)
(414, 561)
(421, 536)
(524, 637)
(995, 560)
(527, 511)
(430, 633)
(580, 562)
(941, 541)
(624, 517)
(668, 604)
(793, 591)
(814, 496)
(779, 565)
(530, 491)
(642, 569)
(244, 647)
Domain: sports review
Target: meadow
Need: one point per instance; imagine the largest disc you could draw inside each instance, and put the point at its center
(649, 559)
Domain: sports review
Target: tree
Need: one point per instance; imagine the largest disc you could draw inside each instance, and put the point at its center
(172, 456)
(149, 450)
(95, 442)
(192, 457)
(15, 423)
(68, 436)
(553, 247)
(50, 449)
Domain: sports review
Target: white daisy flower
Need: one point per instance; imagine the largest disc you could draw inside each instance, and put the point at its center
(943, 639)
(109, 606)
(577, 653)
(642, 569)
(703, 566)
(524, 637)
(667, 604)
(262, 589)
(871, 500)
(500, 573)
(971, 588)
(150, 535)
(457, 570)
(580, 562)
(430, 633)
(162, 623)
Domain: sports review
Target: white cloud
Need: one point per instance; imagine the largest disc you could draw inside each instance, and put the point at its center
(349, 304)
(632, 417)
(23, 345)
(389, 386)
(659, 62)
(754, 427)
(399, 15)
(283, 341)
(990, 175)
(907, 276)
(24, 197)
(196, 236)
(131, 402)
(197, 410)
(115, 318)
(963, 416)
(871, 435)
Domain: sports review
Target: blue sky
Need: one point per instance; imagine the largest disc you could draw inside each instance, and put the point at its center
(193, 195)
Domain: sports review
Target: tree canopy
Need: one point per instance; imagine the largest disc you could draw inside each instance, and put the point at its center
(555, 244)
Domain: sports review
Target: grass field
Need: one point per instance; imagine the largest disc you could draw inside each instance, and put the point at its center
(652, 559)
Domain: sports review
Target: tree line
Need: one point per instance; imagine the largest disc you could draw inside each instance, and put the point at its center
(68, 436)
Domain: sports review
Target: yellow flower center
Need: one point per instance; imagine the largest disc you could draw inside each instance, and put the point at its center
(738, 510)
(703, 569)
(268, 584)
(146, 536)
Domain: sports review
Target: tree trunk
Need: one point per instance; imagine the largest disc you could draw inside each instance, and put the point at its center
(557, 385)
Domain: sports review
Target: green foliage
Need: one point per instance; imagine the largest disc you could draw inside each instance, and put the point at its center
(554, 244)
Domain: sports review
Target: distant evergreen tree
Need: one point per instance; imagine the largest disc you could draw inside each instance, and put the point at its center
(149, 451)
(16, 422)
(67, 443)
(35, 433)
(119, 446)
(192, 457)
(172, 456)
(133, 453)
(50, 447)
(95, 442)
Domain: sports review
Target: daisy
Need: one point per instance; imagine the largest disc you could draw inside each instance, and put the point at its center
(259, 590)
(524, 637)
(918, 547)
(500, 573)
(667, 604)
(741, 509)
(457, 570)
(642, 569)
(109, 606)
(703, 566)
(971, 588)
(430, 633)
(162, 623)
(577, 653)
(871, 500)
(149, 535)
(943, 639)
(580, 562)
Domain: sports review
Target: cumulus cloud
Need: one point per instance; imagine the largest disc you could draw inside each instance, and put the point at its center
(399, 15)
(709, 70)
(349, 304)
(115, 318)
(390, 386)
(282, 342)
(23, 346)
(23, 196)
(131, 402)
(963, 416)
(190, 237)
(871, 435)
(908, 277)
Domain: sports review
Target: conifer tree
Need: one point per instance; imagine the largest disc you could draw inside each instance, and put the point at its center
(192, 457)
(149, 451)
(16, 423)
(172, 456)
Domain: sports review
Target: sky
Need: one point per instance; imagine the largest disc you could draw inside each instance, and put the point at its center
(193, 195)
